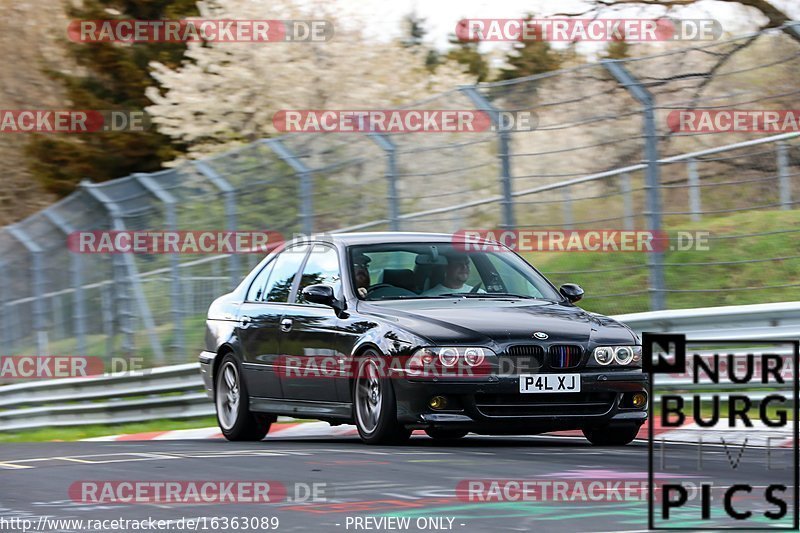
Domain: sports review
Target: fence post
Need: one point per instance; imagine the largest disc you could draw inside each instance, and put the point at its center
(125, 271)
(306, 186)
(107, 310)
(5, 312)
(504, 153)
(695, 203)
(784, 183)
(655, 260)
(178, 342)
(229, 196)
(39, 311)
(627, 200)
(391, 178)
(76, 275)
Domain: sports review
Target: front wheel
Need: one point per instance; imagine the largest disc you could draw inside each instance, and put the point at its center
(375, 404)
(611, 435)
(233, 406)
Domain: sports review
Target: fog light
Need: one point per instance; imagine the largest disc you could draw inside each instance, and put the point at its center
(438, 402)
(639, 399)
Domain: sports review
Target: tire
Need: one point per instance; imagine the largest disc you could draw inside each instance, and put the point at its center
(375, 405)
(232, 405)
(611, 435)
(445, 434)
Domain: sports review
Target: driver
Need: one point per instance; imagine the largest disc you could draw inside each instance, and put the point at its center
(361, 274)
(455, 279)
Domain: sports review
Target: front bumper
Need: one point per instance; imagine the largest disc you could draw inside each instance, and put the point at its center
(495, 405)
(207, 371)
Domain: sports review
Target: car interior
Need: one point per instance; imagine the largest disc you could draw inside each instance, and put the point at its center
(428, 271)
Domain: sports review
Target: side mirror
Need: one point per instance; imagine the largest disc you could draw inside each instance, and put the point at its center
(319, 294)
(571, 292)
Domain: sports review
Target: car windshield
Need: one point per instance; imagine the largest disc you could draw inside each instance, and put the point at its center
(443, 270)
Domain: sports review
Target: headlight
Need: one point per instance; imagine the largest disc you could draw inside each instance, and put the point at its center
(448, 356)
(622, 355)
(473, 356)
(603, 355)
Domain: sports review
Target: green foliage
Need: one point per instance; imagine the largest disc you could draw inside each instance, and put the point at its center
(102, 430)
(721, 275)
(113, 76)
(466, 53)
(530, 57)
(618, 49)
(415, 29)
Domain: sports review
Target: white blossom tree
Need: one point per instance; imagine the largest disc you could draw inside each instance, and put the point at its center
(227, 93)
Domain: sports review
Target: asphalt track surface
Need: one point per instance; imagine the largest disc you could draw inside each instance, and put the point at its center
(414, 481)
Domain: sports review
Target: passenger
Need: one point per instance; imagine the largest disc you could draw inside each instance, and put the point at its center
(361, 274)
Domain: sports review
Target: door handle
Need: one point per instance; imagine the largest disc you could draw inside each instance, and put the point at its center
(245, 320)
(286, 325)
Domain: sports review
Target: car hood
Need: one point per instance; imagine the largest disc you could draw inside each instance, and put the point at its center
(481, 321)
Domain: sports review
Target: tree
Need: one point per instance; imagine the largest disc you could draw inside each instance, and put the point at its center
(113, 76)
(531, 56)
(466, 53)
(617, 49)
(227, 93)
(415, 30)
(772, 15)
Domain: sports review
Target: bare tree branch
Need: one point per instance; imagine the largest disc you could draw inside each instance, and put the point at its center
(776, 18)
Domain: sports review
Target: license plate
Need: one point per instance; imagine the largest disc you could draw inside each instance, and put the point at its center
(532, 383)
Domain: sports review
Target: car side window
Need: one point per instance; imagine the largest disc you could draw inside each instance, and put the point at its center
(322, 267)
(257, 288)
(287, 264)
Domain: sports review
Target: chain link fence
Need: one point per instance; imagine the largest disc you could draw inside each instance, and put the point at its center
(602, 155)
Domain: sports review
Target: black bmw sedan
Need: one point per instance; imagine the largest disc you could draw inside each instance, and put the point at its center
(401, 331)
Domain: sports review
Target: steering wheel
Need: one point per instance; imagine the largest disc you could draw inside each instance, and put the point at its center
(476, 288)
(378, 286)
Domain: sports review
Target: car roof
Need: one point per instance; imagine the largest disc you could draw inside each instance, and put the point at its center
(389, 237)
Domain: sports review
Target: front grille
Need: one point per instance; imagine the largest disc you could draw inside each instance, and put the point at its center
(556, 404)
(565, 356)
(521, 359)
(530, 350)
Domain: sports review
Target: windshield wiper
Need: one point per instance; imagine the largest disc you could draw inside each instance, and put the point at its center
(404, 297)
(486, 295)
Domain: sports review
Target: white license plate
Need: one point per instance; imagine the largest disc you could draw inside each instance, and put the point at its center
(531, 383)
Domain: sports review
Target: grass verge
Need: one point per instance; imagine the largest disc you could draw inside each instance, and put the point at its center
(87, 432)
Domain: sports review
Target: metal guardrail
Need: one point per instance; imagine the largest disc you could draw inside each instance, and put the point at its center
(775, 321)
(177, 391)
(151, 394)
